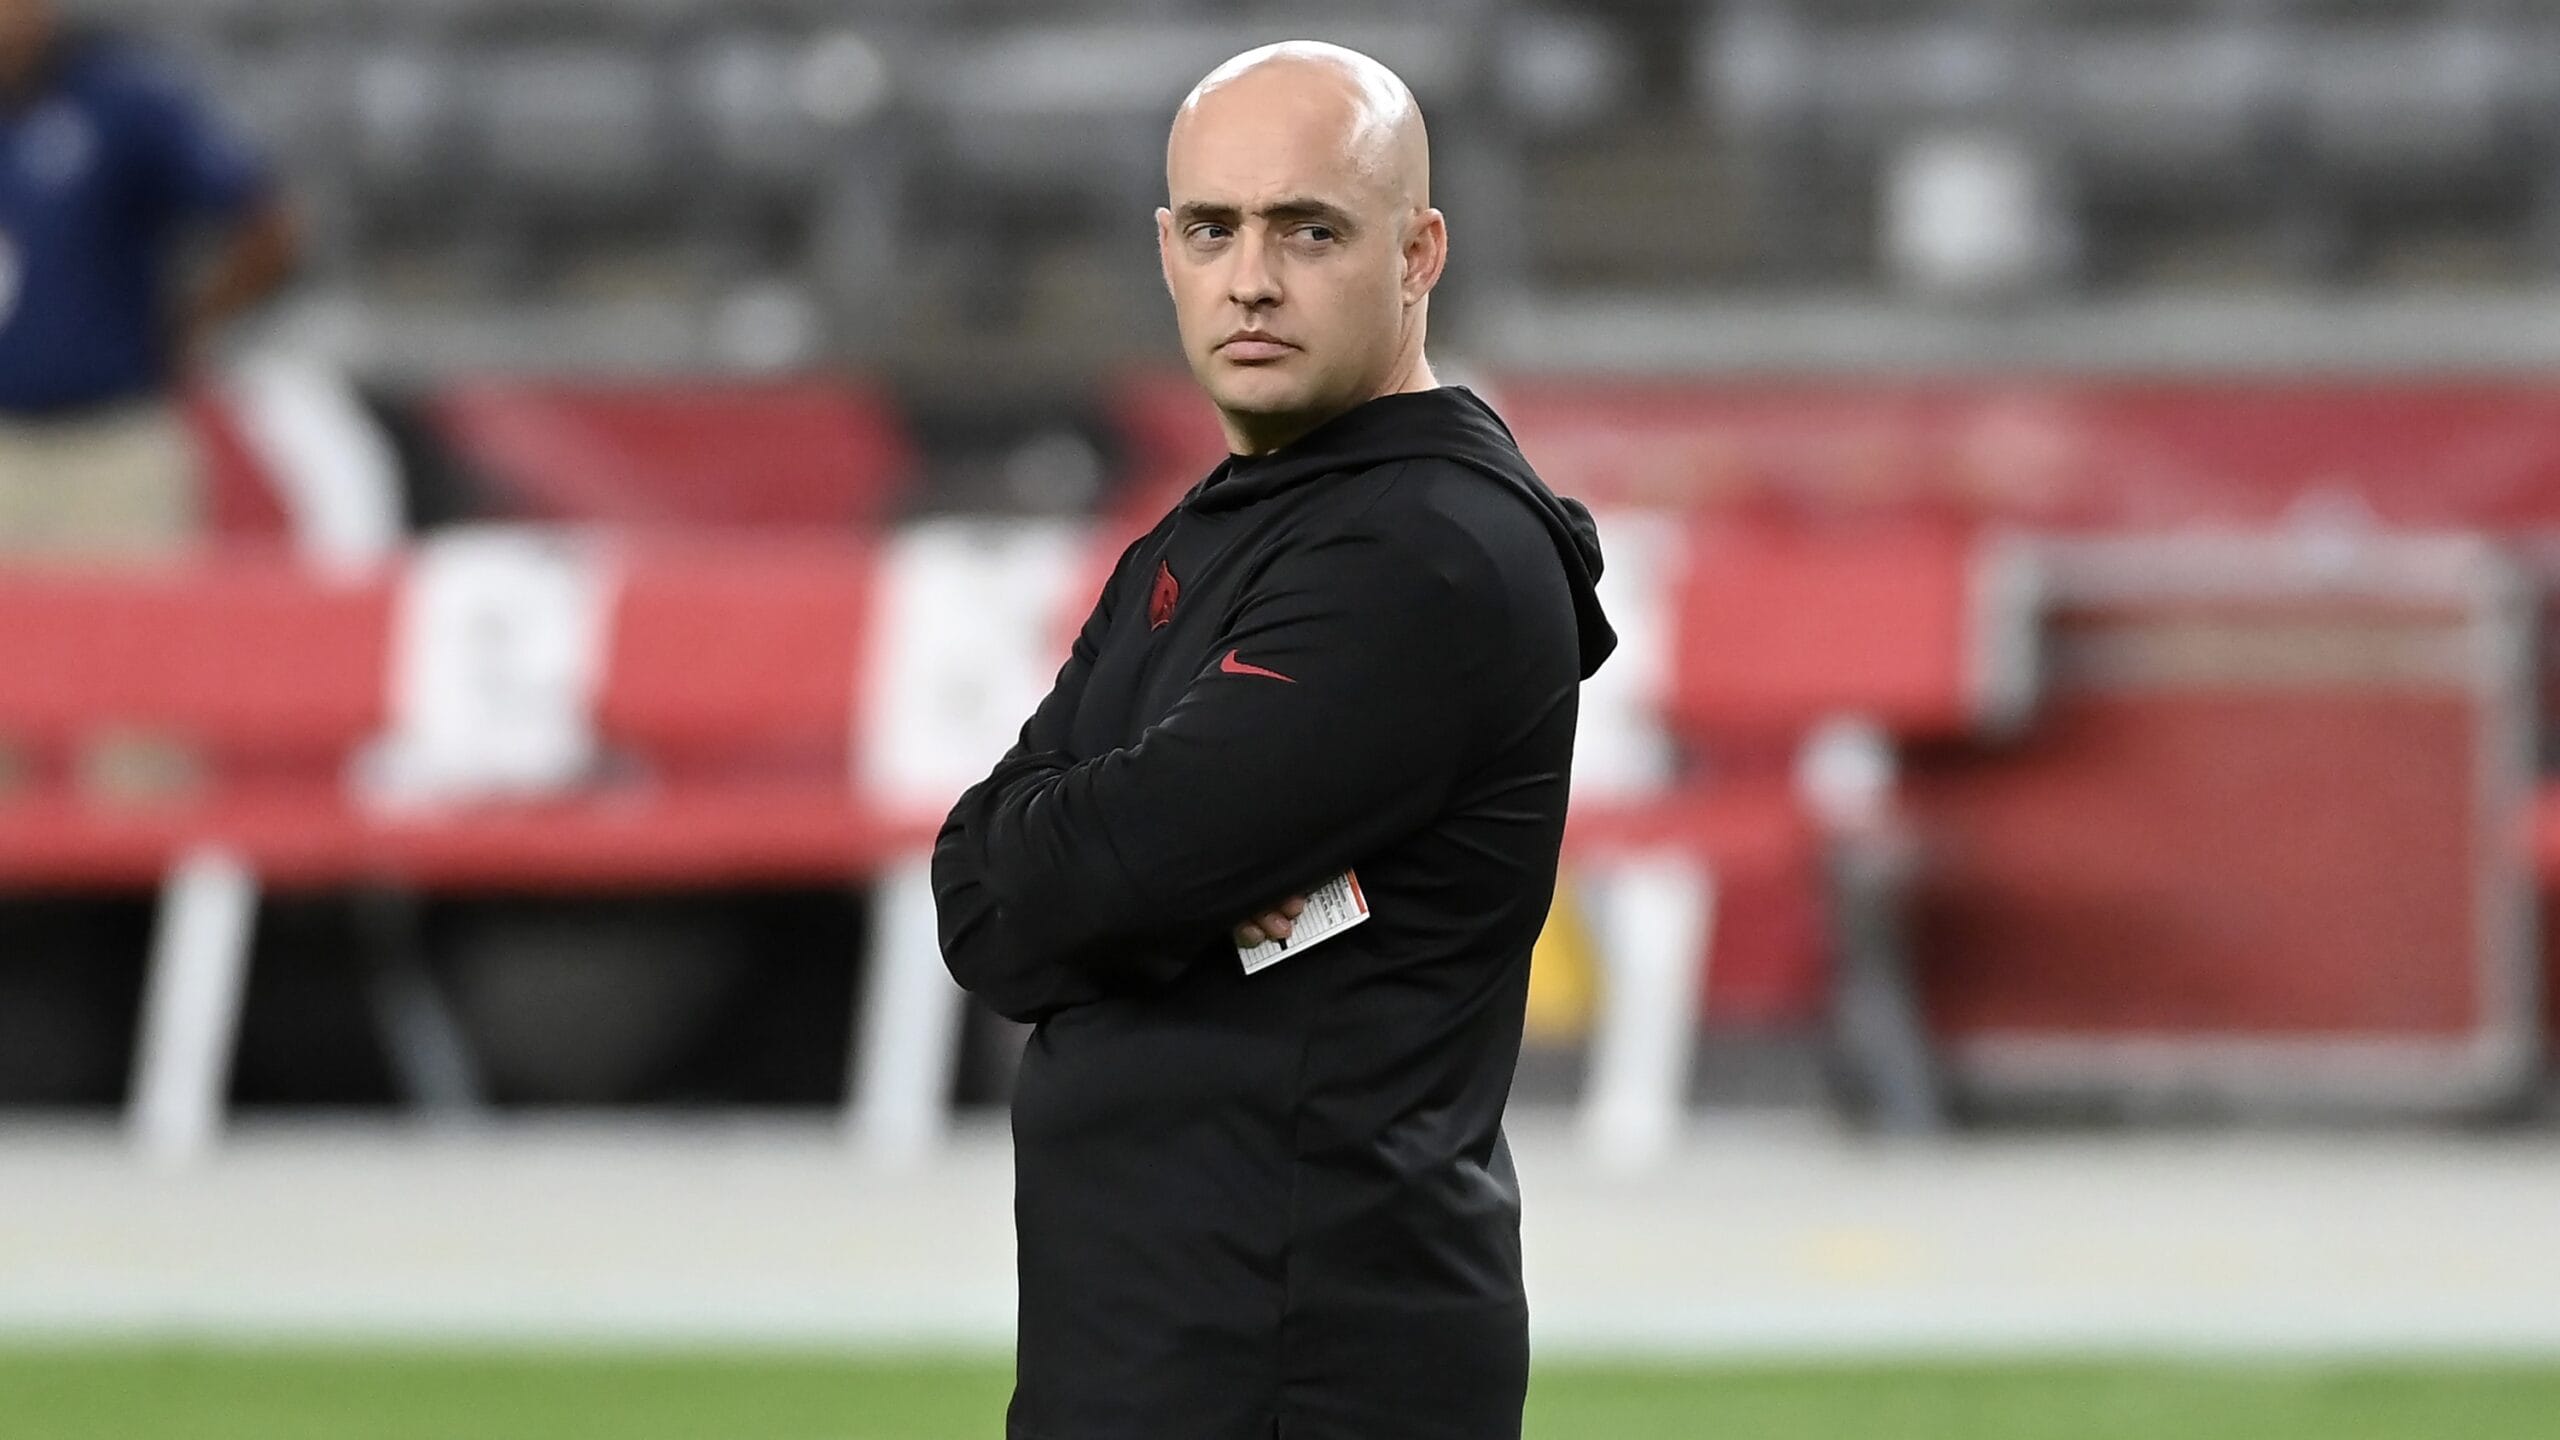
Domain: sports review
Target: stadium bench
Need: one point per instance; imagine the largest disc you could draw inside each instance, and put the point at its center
(219, 728)
(1800, 660)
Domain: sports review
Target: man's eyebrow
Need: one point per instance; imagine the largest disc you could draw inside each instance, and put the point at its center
(1308, 208)
(1295, 207)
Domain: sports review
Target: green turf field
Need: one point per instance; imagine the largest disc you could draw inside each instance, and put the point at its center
(276, 1394)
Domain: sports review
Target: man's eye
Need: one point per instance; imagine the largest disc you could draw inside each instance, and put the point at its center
(1321, 234)
(1208, 232)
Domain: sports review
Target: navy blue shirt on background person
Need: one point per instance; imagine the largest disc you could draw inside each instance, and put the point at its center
(104, 168)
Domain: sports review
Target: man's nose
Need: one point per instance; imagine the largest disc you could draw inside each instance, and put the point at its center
(1251, 281)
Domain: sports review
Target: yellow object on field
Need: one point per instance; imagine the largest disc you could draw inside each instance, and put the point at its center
(1563, 973)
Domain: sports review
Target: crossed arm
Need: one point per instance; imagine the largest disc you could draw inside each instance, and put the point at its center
(1060, 881)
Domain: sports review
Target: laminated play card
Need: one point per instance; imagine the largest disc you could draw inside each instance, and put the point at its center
(1333, 907)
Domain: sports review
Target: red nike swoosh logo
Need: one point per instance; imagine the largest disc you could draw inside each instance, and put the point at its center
(1234, 666)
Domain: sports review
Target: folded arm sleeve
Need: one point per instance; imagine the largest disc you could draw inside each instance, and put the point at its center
(1333, 719)
(1017, 970)
(991, 957)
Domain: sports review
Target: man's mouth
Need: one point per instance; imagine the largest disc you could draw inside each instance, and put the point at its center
(1248, 346)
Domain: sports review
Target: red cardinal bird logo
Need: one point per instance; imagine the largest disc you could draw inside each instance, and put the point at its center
(1160, 600)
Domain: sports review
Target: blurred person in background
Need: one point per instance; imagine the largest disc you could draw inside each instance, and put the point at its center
(1269, 1194)
(110, 171)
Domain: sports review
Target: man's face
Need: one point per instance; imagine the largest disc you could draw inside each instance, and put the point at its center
(1285, 250)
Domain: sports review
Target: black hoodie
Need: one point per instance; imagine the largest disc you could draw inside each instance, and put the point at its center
(1281, 1204)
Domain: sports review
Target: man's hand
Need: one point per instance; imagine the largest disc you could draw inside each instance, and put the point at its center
(252, 261)
(1272, 924)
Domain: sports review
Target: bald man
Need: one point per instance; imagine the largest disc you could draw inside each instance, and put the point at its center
(1265, 868)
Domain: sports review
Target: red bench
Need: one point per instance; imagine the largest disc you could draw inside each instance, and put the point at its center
(1800, 661)
(726, 719)
(197, 724)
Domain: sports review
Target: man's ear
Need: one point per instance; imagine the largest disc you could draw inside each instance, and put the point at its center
(1164, 246)
(1426, 254)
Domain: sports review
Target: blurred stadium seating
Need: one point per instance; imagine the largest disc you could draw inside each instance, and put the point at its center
(755, 185)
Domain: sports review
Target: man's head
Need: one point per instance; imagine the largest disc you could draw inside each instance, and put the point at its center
(1299, 240)
(26, 30)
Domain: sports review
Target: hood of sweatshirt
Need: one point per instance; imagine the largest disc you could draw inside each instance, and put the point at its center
(1449, 423)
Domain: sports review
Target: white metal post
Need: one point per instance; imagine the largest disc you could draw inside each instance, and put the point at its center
(191, 1006)
(907, 1050)
(1654, 917)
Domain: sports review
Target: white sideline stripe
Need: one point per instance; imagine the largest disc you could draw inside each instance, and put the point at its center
(1763, 1241)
